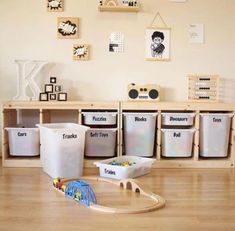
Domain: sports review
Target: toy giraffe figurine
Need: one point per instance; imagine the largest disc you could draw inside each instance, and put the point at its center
(81, 191)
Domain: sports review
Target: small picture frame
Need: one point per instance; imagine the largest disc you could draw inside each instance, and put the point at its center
(62, 97)
(81, 52)
(58, 88)
(43, 97)
(55, 5)
(49, 88)
(52, 79)
(67, 27)
(52, 96)
(157, 44)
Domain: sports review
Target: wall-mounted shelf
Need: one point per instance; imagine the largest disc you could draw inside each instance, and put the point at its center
(119, 9)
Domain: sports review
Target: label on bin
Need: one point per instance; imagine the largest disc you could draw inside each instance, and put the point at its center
(216, 120)
(99, 134)
(110, 172)
(22, 134)
(180, 119)
(177, 134)
(140, 119)
(99, 118)
(70, 136)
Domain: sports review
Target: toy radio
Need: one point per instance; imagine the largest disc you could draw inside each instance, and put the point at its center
(144, 92)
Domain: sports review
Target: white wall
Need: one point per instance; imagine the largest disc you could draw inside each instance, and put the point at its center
(28, 31)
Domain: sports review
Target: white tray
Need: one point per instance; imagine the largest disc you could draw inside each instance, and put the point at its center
(142, 167)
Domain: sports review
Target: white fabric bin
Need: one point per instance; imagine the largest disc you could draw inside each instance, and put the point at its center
(23, 141)
(99, 118)
(62, 149)
(178, 119)
(100, 142)
(139, 133)
(214, 134)
(177, 142)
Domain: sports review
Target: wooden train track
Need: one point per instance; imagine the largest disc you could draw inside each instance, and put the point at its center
(131, 184)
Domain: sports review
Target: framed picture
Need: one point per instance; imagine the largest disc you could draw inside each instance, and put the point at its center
(52, 96)
(55, 5)
(43, 97)
(58, 88)
(157, 44)
(52, 79)
(62, 96)
(81, 52)
(67, 27)
(48, 88)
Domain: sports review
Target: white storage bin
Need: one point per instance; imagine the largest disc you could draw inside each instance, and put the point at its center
(139, 133)
(141, 167)
(23, 141)
(62, 149)
(99, 118)
(178, 119)
(100, 142)
(214, 134)
(177, 142)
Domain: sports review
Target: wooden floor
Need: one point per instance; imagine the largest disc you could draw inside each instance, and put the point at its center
(195, 200)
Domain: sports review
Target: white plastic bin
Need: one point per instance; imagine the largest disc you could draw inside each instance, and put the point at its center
(23, 141)
(62, 149)
(100, 118)
(214, 134)
(141, 166)
(139, 133)
(178, 119)
(100, 142)
(177, 142)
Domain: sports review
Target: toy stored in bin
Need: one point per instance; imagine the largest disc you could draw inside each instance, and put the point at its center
(139, 166)
(62, 149)
(23, 141)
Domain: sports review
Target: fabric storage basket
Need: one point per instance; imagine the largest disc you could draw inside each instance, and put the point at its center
(23, 141)
(100, 142)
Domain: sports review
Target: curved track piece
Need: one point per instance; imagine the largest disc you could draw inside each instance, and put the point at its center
(134, 185)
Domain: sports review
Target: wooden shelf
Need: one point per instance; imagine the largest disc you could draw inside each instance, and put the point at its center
(133, 9)
(45, 112)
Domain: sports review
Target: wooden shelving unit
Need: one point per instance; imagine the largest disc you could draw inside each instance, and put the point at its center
(47, 112)
(71, 111)
(118, 8)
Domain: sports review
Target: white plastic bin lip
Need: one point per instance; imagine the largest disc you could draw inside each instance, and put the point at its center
(100, 113)
(140, 113)
(139, 161)
(217, 114)
(103, 129)
(191, 114)
(178, 129)
(62, 126)
(19, 128)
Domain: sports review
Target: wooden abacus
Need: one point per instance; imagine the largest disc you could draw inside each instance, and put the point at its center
(203, 88)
